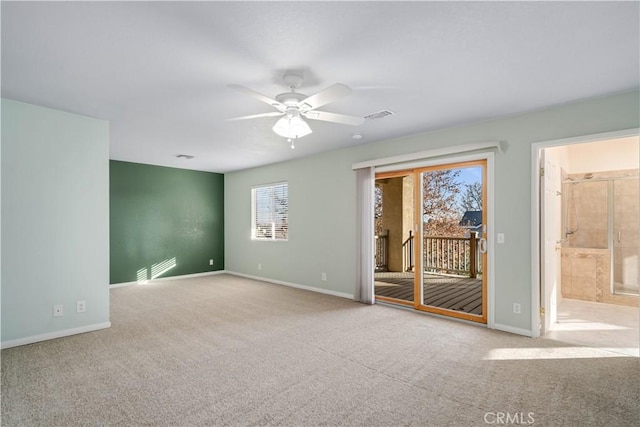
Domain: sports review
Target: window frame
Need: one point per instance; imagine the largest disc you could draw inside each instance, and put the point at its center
(254, 215)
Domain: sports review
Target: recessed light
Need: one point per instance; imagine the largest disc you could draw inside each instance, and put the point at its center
(357, 136)
(184, 156)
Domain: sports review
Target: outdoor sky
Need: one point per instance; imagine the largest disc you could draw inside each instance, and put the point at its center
(470, 175)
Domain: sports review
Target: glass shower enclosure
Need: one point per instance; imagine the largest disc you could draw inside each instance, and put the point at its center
(625, 204)
(601, 217)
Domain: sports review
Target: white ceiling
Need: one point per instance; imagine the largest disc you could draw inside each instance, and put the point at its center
(158, 71)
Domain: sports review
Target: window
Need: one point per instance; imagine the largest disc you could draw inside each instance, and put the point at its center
(270, 212)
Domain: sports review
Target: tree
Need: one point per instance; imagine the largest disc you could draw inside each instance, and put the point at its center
(471, 198)
(439, 200)
(281, 214)
(377, 212)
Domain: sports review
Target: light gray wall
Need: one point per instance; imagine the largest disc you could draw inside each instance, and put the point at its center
(322, 207)
(55, 221)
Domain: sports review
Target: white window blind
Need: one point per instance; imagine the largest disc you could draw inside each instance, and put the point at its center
(270, 212)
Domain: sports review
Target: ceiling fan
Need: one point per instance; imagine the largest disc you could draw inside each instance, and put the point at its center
(294, 107)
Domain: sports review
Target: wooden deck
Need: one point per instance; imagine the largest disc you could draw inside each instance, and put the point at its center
(453, 293)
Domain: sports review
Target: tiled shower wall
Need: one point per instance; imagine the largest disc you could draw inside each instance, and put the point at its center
(586, 204)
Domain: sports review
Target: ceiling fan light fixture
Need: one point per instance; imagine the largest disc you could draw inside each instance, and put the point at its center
(295, 107)
(292, 126)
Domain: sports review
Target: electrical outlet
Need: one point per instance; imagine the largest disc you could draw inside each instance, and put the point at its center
(500, 237)
(210, 262)
(58, 310)
(516, 308)
(259, 266)
(324, 277)
(81, 306)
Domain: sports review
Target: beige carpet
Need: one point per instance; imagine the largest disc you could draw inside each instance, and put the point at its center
(224, 350)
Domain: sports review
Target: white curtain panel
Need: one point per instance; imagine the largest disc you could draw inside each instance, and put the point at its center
(365, 195)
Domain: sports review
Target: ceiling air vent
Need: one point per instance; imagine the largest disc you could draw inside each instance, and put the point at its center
(379, 115)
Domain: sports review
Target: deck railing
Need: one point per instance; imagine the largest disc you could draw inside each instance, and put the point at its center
(407, 253)
(442, 255)
(382, 251)
(452, 255)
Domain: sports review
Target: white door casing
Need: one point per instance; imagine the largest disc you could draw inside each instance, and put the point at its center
(536, 218)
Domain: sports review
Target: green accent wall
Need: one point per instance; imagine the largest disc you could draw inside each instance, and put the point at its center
(164, 221)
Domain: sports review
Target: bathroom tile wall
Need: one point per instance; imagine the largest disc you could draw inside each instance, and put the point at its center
(587, 207)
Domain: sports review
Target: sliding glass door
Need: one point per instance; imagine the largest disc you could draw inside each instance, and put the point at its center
(431, 239)
(452, 236)
(394, 234)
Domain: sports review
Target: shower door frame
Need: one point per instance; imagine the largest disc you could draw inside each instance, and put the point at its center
(611, 223)
(612, 234)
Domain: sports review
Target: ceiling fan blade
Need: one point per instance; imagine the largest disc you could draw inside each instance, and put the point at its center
(259, 96)
(324, 97)
(333, 117)
(256, 116)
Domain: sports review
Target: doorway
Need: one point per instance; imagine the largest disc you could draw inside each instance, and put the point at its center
(431, 239)
(589, 242)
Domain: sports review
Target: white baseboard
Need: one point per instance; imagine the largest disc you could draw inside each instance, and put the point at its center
(511, 329)
(52, 335)
(162, 279)
(293, 285)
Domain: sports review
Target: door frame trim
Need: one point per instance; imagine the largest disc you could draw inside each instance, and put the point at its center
(537, 281)
(489, 156)
(441, 152)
